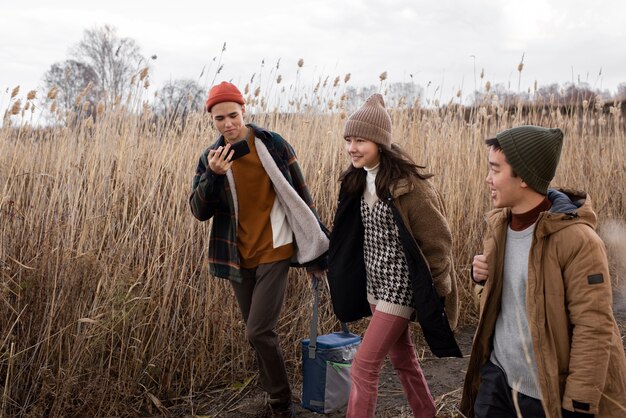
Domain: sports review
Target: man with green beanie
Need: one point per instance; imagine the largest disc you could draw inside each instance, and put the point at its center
(547, 344)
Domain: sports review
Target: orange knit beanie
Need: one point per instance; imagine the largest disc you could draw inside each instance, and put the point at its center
(223, 92)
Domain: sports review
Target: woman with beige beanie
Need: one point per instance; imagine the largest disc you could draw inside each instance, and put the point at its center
(390, 257)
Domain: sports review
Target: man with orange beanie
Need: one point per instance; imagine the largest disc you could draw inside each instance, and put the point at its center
(264, 221)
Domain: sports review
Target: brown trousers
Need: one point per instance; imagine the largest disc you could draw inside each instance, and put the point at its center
(260, 297)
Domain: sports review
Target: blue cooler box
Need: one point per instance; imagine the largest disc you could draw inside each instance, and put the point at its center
(326, 371)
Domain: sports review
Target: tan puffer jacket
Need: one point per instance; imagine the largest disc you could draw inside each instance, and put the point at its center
(576, 341)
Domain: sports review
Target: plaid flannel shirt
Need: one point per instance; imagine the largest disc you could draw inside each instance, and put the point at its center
(211, 198)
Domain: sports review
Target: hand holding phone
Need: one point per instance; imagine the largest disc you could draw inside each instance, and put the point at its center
(241, 148)
(221, 159)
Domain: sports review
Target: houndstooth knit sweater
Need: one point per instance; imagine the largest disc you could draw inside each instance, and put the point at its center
(388, 282)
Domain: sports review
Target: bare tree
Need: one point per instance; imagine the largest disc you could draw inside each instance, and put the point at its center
(114, 59)
(71, 79)
(576, 94)
(178, 98)
(546, 92)
(498, 92)
(404, 94)
(396, 95)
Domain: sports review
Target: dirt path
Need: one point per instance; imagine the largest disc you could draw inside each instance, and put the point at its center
(444, 376)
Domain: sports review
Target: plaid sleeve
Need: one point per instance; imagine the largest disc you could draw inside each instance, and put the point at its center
(205, 190)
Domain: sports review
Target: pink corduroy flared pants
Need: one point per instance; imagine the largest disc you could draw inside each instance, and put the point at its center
(387, 335)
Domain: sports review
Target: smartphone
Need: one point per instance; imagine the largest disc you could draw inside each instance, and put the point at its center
(241, 148)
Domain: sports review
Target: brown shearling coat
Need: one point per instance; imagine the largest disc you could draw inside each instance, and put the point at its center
(424, 213)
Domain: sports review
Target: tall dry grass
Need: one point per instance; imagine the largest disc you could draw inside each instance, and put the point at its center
(106, 307)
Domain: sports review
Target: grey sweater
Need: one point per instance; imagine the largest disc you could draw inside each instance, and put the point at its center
(512, 343)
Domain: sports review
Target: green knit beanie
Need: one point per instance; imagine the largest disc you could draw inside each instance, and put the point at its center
(533, 152)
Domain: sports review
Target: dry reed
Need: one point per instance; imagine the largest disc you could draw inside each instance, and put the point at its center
(107, 307)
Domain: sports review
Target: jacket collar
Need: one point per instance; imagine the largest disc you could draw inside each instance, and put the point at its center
(259, 132)
(569, 207)
(401, 187)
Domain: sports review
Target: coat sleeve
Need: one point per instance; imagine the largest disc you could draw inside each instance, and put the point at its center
(429, 227)
(206, 186)
(588, 299)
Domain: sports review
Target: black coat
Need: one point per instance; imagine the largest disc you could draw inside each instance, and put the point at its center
(348, 280)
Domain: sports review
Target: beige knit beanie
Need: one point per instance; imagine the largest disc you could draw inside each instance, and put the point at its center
(371, 122)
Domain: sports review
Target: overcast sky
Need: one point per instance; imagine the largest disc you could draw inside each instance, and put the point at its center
(445, 43)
